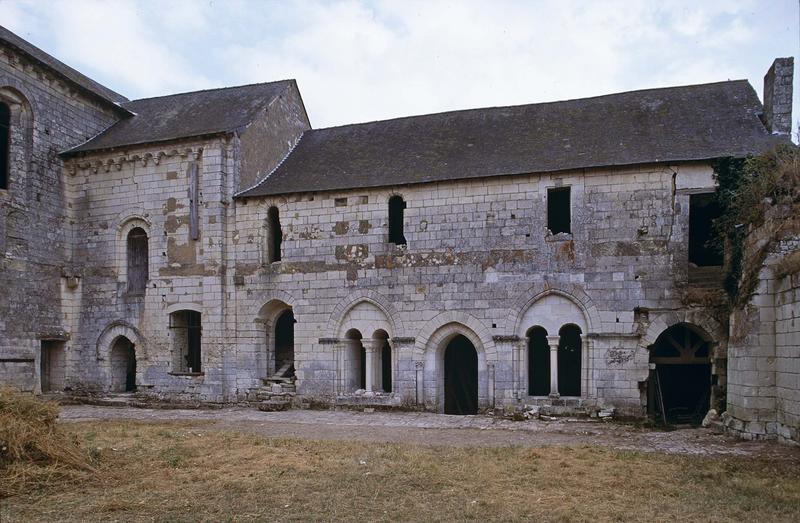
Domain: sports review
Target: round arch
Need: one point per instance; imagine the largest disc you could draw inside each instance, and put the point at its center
(337, 320)
(20, 106)
(435, 346)
(125, 226)
(573, 293)
(114, 332)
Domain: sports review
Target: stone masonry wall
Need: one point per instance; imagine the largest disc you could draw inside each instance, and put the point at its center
(49, 115)
(478, 262)
(764, 344)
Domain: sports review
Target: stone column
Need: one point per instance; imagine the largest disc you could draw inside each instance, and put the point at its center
(552, 342)
(419, 367)
(524, 365)
(371, 346)
(490, 392)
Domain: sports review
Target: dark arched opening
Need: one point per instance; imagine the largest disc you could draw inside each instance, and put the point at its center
(385, 354)
(538, 362)
(123, 366)
(355, 361)
(679, 388)
(284, 344)
(569, 361)
(460, 377)
(5, 141)
(274, 235)
(396, 209)
(137, 261)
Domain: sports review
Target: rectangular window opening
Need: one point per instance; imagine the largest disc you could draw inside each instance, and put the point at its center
(558, 210)
(703, 210)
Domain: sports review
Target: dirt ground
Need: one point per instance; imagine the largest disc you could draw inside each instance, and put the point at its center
(442, 430)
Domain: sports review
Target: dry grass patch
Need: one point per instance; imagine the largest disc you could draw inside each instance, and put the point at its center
(34, 450)
(186, 472)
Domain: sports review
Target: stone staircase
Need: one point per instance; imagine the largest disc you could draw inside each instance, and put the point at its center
(278, 391)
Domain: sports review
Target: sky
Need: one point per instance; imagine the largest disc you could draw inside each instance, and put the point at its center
(358, 61)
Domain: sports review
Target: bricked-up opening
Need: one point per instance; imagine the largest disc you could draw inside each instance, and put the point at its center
(396, 209)
(284, 344)
(355, 362)
(274, 235)
(186, 330)
(569, 361)
(460, 377)
(679, 388)
(137, 261)
(385, 354)
(5, 140)
(558, 210)
(53, 365)
(703, 210)
(123, 366)
(538, 362)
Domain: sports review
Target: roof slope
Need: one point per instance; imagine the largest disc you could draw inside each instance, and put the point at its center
(61, 68)
(185, 115)
(656, 125)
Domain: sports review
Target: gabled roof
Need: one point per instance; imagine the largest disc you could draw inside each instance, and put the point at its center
(186, 115)
(674, 124)
(61, 68)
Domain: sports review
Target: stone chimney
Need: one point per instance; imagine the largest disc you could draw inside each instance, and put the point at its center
(778, 96)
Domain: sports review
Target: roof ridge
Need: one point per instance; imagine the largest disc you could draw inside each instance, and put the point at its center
(264, 179)
(231, 87)
(566, 100)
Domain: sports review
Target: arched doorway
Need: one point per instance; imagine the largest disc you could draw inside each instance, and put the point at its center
(123, 366)
(538, 362)
(460, 377)
(680, 383)
(284, 344)
(569, 360)
(355, 366)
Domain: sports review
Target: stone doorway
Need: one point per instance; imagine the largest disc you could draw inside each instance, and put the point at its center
(460, 377)
(680, 382)
(53, 364)
(123, 366)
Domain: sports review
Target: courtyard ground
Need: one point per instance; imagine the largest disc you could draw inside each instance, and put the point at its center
(247, 465)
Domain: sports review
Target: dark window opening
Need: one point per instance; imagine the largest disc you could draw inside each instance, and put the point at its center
(284, 344)
(460, 377)
(187, 332)
(5, 140)
(558, 210)
(274, 235)
(569, 361)
(703, 210)
(679, 388)
(396, 209)
(137, 261)
(538, 363)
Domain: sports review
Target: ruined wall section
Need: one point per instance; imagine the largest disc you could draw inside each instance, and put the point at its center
(764, 345)
(49, 115)
(477, 250)
(270, 137)
(175, 192)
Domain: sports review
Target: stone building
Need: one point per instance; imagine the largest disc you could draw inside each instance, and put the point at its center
(211, 246)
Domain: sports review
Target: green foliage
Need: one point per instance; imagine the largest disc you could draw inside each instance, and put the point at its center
(746, 189)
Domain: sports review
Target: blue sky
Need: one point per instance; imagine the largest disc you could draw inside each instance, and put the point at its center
(359, 61)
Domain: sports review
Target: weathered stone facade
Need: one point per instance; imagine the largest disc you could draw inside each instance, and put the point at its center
(373, 319)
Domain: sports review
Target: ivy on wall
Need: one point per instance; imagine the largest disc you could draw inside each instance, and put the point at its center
(747, 187)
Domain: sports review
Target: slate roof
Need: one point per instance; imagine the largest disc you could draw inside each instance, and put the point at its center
(61, 68)
(186, 115)
(674, 124)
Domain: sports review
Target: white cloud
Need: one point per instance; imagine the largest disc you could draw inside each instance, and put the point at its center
(358, 61)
